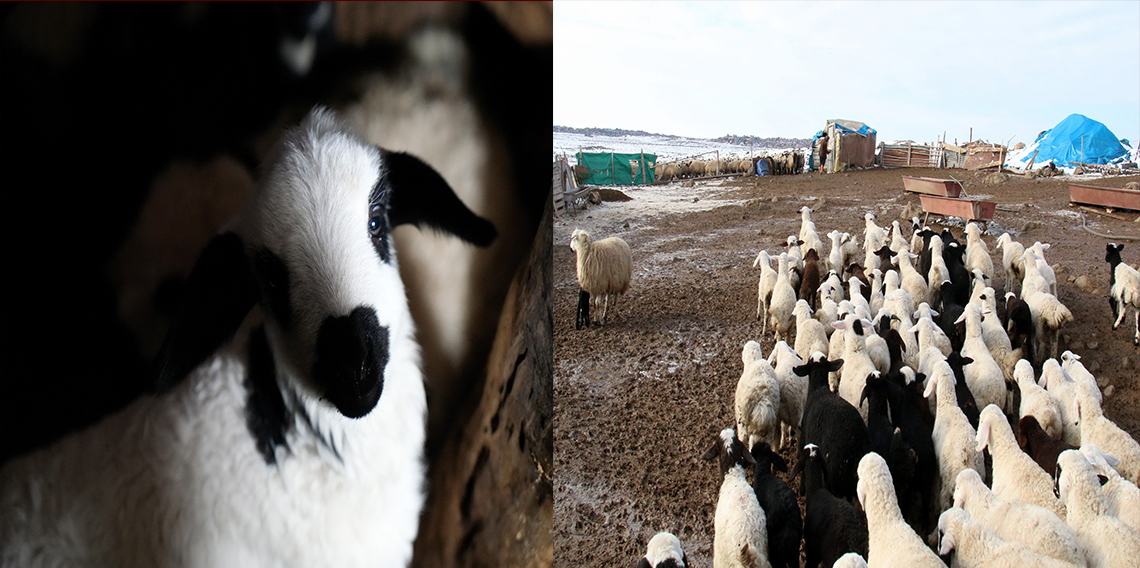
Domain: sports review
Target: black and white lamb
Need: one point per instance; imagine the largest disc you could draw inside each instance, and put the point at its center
(741, 538)
(785, 525)
(663, 551)
(297, 443)
(834, 425)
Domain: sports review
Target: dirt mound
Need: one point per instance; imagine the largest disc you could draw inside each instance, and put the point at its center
(605, 194)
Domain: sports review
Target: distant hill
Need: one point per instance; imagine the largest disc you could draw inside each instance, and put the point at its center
(739, 140)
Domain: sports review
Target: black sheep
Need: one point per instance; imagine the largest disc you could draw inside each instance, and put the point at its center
(832, 526)
(966, 400)
(907, 414)
(784, 523)
(1044, 449)
(834, 426)
(948, 319)
(960, 279)
(1019, 325)
(924, 259)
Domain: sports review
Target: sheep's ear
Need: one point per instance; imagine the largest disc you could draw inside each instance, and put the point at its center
(644, 563)
(219, 293)
(421, 196)
(779, 463)
(711, 453)
(947, 544)
(983, 437)
(834, 366)
(801, 370)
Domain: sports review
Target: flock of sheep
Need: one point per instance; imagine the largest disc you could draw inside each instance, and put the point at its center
(685, 169)
(925, 423)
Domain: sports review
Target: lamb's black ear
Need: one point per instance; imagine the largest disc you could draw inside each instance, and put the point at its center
(712, 452)
(801, 370)
(779, 463)
(219, 293)
(834, 366)
(421, 196)
(644, 563)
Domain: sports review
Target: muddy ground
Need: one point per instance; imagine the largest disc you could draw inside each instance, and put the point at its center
(638, 401)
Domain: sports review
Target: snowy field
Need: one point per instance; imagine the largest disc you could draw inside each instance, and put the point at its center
(666, 148)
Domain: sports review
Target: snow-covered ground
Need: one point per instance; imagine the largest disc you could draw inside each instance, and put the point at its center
(666, 148)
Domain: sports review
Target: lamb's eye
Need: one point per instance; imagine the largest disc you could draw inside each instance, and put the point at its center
(374, 224)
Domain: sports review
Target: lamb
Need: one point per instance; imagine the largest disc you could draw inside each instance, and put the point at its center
(887, 440)
(1124, 289)
(898, 242)
(286, 444)
(835, 258)
(1043, 448)
(930, 334)
(810, 280)
(1019, 324)
(827, 314)
(1105, 540)
(995, 336)
(604, 268)
(793, 389)
(833, 527)
(1049, 314)
(939, 272)
(808, 235)
(909, 415)
(582, 315)
(873, 235)
(832, 288)
(783, 302)
(890, 542)
(953, 435)
(1071, 364)
(1098, 430)
(984, 376)
(741, 538)
(877, 297)
(1122, 498)
(1037, 402)
(976, 545)
(1011, 253)
(857, 363)
(977, 253)
(757, 398)
(784, 523)
(663, 551)
(1064, 388)
(913, 282)
(1014, 521)
(811, 335)
(1015, 475)
(1043, 267)
(833, 424)
(768, 278)
(795, 262)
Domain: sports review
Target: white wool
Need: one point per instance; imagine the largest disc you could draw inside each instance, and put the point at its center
(911, 281)
(1048, 313)
(1098, 430)
(604, 268)
(1012, 252)
(757, 398)
(664, 546)
(176, 479)
(1105, 540)
(930, 335)
(811, 335)
(1122, 497)
(1035, 527)
(741, 539)
(984, 376)
(877, 295)
(977, 253)
(1037, 402)
(783, 301)
(857, 365)
(832, 287)
(995, 337)
(768, 278)
(975, 545)
(1016, 477)
(850, 560)
(827, 314)
(1071, 364)
(873, 235)
(1064, 389)
(954, 438)
(939, 272)
(891, 541)
(1043, 267)
(793, 389)
(1126, 292)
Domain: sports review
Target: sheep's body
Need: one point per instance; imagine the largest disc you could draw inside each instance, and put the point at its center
(1037, 402)
(976, 545)
(1071, 364)
(984, 376)
(1011, 254)
(827, 314)
(1064, 389)
(1105, 540)
(662, 548)
(953, 435)
(1048, 313)
(977, 253)
(1039, 445)
(1125, 293)
(810, 281)
(995, 336)
(1016, 477)
(857, 365)
(811, 335)
(604, 268)
(834, 425)
(898, 242)
(891, 542)
(808, 235)
(929, 334)
(1037, 528)
(1043, 267)
(833, 527)
(873, 235)
(782, 513)
(911, 280)
(768, 277)
(939, 272)
(1122, 497)
(793, 390)
(783, 302)
(757, 398)
(1098, 430)
(741, 539)
(795, 262)
(850, 560)
(254, 454)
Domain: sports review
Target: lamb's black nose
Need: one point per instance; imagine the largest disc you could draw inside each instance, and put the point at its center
(352, 352)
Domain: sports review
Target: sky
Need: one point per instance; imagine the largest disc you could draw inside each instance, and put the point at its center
(911, 70)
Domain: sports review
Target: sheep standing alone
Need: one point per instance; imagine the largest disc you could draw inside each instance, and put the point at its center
(891, 542)
(604, 268)
(284, 445)
(741, 538)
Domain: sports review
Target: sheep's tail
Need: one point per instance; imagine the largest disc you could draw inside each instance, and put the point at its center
(1057, 315)
(749, 556)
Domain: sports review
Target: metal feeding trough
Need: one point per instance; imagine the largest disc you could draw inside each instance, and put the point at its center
(1109, 197)
(932, 186)
(954, 207)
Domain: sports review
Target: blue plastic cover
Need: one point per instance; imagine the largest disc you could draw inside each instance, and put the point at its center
(1062, 143)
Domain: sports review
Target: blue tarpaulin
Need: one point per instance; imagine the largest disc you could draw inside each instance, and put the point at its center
(1063, 143)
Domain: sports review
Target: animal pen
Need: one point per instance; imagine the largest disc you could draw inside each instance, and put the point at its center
(611, 168)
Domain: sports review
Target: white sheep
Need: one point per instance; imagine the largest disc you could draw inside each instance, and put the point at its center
(975, 545)
(954, 438)
(977, 253)
(850, 560)
(873, 235)
(891, 542)
(1098, 430)
(827, 314)
(995, 335)
(757, 398)
(604, 268)
(1048, 313)
(1035, 527)
(857, 364)
(835, 258)
(855, 287)
(808, 235)
(767, 284)
(929, 334)
(984, 376)
(898, 242)
(1037, 401)
(811, 335)
(1105, 540)
(741, 538)
(832, 287)
(782, 303)
(795, 261)
(1064, 389)
(1011, 253)
(286, 444)
(793, 388)
(903, 302)
(1043, 267)
(939, 272)
(1016, 477)
(1122, 497)
(1125, 293)
(911, 281)
(663, 548)
(1071, 364)
(877, 296)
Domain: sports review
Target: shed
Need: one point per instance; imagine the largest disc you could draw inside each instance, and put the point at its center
(611, 168)
(850, 144)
